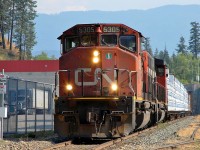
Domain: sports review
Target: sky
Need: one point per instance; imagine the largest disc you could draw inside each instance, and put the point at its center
(57, 6)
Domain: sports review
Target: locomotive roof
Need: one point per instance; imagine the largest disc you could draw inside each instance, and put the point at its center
(159, 62)
(100, 24)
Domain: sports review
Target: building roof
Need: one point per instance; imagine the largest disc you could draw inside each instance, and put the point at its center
(29, 65)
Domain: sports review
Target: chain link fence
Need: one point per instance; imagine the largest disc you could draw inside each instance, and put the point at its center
(30, 107)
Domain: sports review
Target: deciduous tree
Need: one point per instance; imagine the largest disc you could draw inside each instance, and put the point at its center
(43, 56)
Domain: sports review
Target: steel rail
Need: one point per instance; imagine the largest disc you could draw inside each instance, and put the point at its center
(59, 145)
(192, 140)
(119, 140)
(172, 146)
(194, 133)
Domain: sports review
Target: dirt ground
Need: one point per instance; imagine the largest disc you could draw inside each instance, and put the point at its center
(186, 134)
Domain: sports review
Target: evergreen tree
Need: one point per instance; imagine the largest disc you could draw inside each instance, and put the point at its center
(166, 56)
(156, 53)
(24, 28)
(194, 43)
(173, 56)
(12, 16)
(4, 19)
(182, 48)
(171, 63)
(147, 45)
(30, 40)
(161, 55)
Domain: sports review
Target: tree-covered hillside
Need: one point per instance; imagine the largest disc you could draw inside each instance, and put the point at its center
(185, 64)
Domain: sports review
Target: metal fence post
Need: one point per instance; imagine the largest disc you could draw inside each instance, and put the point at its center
(8, 101)
(52, 107)
(35, 107)
(44, 107)
(26, 108)
(16, 105)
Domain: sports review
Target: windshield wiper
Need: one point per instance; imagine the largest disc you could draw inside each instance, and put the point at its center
(105, 43)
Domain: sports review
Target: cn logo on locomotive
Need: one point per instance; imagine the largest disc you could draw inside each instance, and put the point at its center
(96, 72)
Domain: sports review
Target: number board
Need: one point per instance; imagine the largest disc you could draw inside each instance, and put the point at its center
(111, 29)
(86, 29)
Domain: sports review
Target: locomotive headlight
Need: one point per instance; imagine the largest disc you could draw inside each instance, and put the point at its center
(95, 60)
(114, 87)
(69, 87)
(96, 56)
(96, 53)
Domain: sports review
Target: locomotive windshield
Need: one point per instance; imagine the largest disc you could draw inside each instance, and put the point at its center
(108, 40)
(128, 42)
(160, 71)
(89, 40)
(84, 40)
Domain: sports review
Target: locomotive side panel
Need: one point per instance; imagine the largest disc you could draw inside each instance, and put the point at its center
(127, 73)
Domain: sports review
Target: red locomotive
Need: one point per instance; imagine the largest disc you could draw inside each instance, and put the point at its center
(108, 86)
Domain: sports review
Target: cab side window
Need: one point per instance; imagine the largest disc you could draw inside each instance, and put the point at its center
(71, 42)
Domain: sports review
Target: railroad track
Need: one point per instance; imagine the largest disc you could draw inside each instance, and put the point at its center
(59, 145)
(172, 146)
(123, 139)
(119, 140)
(70, 145)
(190, 141)
(80, 144)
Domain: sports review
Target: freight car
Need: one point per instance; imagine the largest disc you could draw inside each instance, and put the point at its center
(108, 86)
(178, 98)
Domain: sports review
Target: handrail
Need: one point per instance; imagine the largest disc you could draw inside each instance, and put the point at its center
(103, 73)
